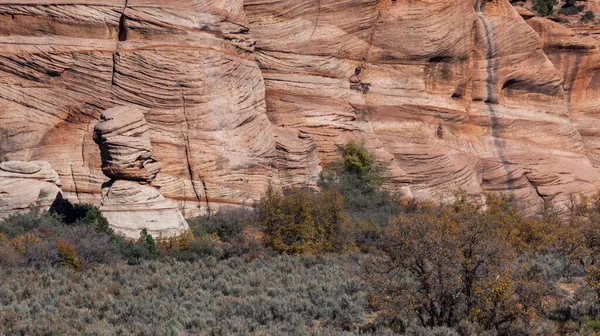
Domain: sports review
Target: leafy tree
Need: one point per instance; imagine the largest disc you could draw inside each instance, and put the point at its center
(359, 179)
(356, 158)
(455, 263)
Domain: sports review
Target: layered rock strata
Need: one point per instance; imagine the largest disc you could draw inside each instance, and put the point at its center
(240, 95)
(128, 202)
(26, 185)
(455, 94)
(190, 63)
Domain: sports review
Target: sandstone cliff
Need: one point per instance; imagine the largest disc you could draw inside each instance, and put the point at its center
(242, 94)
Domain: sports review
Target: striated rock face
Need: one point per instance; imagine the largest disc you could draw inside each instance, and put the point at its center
(127, 202)
(27, 184)
(577, 57)
(124, 141)
(453, 94)
(188, 63)
(240, 94)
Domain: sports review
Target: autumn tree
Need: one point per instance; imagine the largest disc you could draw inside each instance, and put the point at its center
(457, 262)
(301, 221)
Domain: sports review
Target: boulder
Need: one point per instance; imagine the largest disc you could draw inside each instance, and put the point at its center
(131, 207)
(125, 148)
(26, 185)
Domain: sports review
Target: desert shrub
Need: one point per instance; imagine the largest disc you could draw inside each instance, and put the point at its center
(67, 254)
(41, 254)
(312, 295)
(8, 255)
(225, 224)
(187, 247)
(91, 245)
(242, 245)
(438, 331)
(19, 224)
(571, 10)
(544, 7)
(171, 244)
(22, 242)
(301, 221)
(589, 16)
(206, 246)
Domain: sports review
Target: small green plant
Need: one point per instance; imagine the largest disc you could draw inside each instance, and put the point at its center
(147, 242)
(544, 7)
(589, 16)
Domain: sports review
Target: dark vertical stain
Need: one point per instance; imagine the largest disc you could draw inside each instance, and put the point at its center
(123, 28)
(491, 99)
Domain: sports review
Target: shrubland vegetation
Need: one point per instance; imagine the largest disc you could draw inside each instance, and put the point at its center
(349, 259)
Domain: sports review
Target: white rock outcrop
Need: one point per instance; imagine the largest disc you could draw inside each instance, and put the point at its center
(24, 185)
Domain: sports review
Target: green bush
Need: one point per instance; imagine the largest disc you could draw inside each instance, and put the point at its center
(81, 215)
(571, 10)
(19, 224)
(589, 16)
(225, 224)
(302, 221)
(544, 7)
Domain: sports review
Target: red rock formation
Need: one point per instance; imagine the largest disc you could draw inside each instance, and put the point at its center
(450, 94)
(458, 93)
(189, 63)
